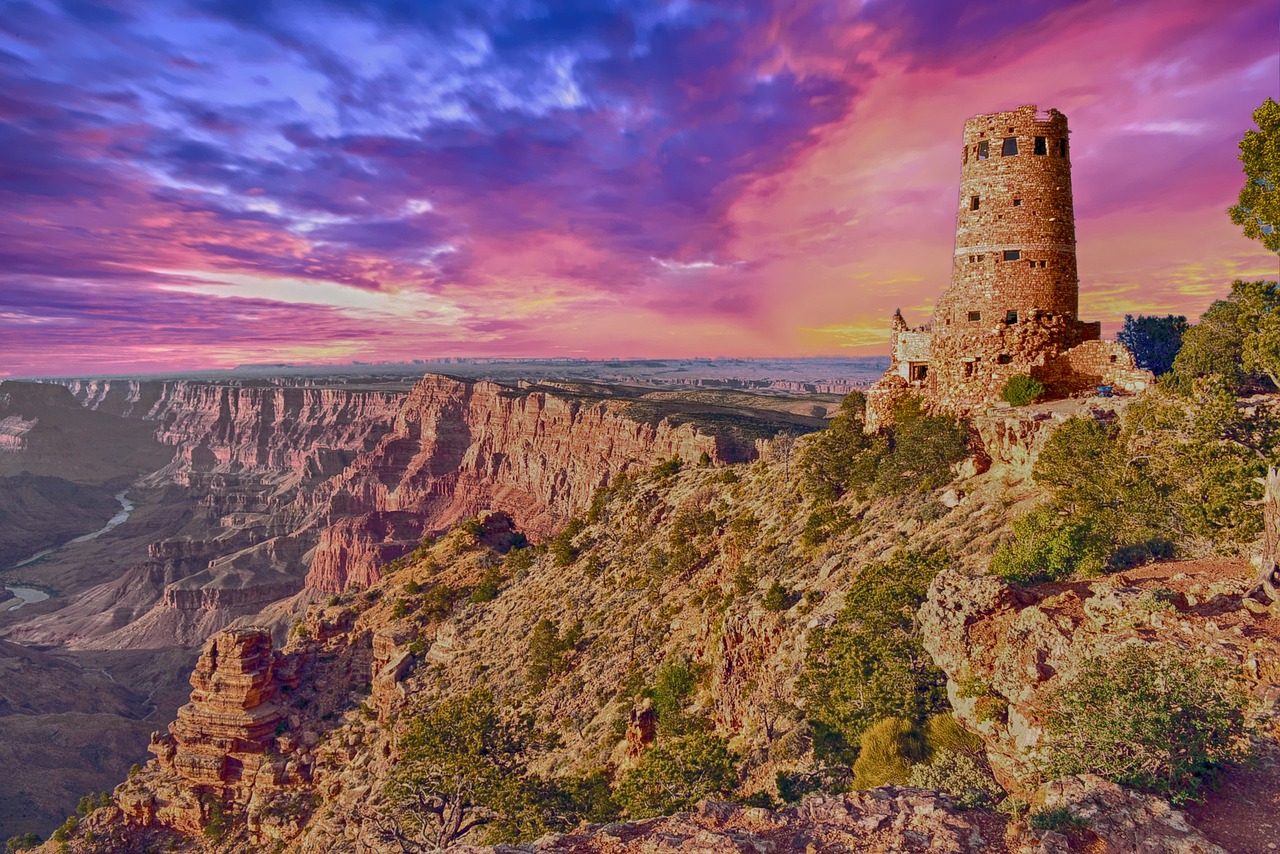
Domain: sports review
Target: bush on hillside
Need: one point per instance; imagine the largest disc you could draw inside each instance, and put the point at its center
(963, 776)
(886, 753)
(870, 664)
(1148, 717)
(1050, 547)
(673, 685)
(675, 775)
(1022, 389)
(922, 450)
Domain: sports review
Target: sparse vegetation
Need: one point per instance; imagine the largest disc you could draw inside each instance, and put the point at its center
(1148, 717)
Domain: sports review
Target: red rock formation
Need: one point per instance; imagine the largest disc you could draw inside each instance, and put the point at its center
(221, 735)
(460, 448)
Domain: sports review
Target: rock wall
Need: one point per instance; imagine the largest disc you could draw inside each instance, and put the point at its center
(459, 448)
(1092, 364)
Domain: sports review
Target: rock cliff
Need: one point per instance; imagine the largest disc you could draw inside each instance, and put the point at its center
(458, 448)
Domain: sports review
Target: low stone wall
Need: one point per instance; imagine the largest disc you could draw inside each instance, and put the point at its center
(1091, 364)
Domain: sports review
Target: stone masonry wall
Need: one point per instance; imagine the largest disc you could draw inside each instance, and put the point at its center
(1092, 364)
(1014, 297)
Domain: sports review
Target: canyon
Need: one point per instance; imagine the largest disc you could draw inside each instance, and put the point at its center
(248, 492)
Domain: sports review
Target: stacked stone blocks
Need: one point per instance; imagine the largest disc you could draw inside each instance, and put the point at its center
(1013, 304)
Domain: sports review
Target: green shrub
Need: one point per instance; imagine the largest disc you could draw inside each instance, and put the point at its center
(545, 657)
(518, 560)
(943, 732)
(489, 585)
(23, 842)
(667, 468)
(825, 522)
(673, 685)
(563, 551)
(886, 753)
(460, 768)
(870, 664)
(922, 450)
(963, 776)
(215, 823)
(1151, 718)
(1056, 818)
(676, 775)
(1050, 547)
(438, 602)
(66, 829)
(842, 458)
(1022, 389)
(778, 598)
(412, 588)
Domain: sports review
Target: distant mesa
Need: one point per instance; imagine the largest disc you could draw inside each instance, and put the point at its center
(1013, 304)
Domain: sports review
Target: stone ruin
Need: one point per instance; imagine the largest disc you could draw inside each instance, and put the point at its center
(1013, 304)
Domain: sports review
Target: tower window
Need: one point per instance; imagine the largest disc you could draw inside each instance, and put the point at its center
(1004, 358)
(1031, 264)
(1042, 263)
(1012, 254)
(1041, 146)
(981, 257)
(1011, 317)
(1017, 203)
(984, 150)
(975, 316)
(1009, 147)
(973, 203)
(1062, 147)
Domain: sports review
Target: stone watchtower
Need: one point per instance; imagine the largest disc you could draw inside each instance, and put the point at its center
(1013, 304)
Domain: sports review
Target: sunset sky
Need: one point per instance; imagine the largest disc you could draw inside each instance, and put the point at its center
(204, 184)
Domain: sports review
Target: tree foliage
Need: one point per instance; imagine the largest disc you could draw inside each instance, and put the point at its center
(546, 656)
(1153, 341)
(870, 663)
(914, 454)
(462, 767)
(1146, 717)
(1258, 210)
(675, 775)
(1237, 338)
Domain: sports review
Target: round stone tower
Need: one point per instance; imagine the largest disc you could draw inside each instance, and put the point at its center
(1014, 296)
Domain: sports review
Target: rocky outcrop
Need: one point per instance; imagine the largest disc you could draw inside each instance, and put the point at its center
(230, 720)
(1003, 648)
(351, 550)
(224, 746)
(1014, 435)
(885, 819)
(1118, 820)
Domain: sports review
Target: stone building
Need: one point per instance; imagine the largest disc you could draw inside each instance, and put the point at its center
(1013, 304)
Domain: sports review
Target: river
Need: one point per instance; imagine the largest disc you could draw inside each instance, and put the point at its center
(31, 594)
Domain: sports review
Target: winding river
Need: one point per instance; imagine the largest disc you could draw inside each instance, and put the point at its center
(28, 595)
